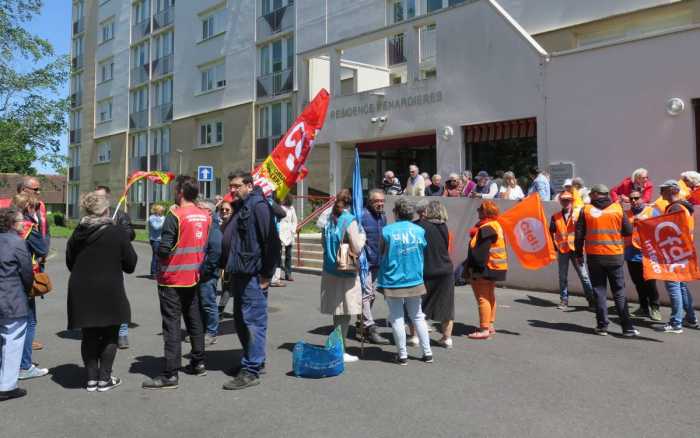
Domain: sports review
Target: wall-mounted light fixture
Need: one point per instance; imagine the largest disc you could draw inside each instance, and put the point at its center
(447, 133)
(675, 106)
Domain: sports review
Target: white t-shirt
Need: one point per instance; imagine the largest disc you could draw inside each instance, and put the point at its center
(516, 193)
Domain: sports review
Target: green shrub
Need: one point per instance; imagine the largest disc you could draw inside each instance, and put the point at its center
(59, 220)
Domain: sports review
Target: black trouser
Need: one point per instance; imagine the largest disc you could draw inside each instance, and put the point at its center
(600, 275)
(99, 348)
(176, 302)
(288, 261)
(646, 289)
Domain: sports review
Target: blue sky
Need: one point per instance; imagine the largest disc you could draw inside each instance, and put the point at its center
(54, 24)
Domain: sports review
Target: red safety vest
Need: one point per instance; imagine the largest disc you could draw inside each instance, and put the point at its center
(7, 203)
(181, 268)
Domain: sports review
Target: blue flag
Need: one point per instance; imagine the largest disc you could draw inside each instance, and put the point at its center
(358, 209)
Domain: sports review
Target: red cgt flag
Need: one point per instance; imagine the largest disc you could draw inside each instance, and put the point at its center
(668, 251)
(525, 228)
(284, 167)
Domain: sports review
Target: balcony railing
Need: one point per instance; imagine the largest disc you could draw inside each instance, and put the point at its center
(263, 146)
(162, 66)
(140, 29)
(78, 26)
(74, 173)
(76, 99)
(427, 45)
(274, 22)
(138, 119)
(77, 62)
(160, 161)
(162, 114)
(275, 83)
(139, 74)
(163, 18)
(395, 50)
(75, 136)
(138, 163)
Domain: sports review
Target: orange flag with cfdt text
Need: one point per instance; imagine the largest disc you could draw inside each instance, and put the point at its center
(525, 228)
(668, 251)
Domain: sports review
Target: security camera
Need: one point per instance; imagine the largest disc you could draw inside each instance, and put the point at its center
(373, 120)
(382, 119)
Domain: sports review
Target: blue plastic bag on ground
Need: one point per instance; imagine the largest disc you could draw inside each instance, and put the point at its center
(317, 362)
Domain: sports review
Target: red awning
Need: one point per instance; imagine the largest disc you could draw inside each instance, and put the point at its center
(426, 141)
(485, 132)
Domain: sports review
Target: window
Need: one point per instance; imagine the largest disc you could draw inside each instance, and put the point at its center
(163, 92)
(76, 120)
(273, 121)
(104, 111)
(434, 5)
(78, 47)
(213, 24)
(141, 11)
(76, 83)
(79, 9)
(106, 69)
(140, 54)
(107, 30)
(104, 152)
(139, 100)
(213, 76)
(211, 133)
(164, 45)
(277, 56)
(402, 10)
(162, 5)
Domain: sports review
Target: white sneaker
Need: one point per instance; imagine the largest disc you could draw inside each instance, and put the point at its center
(447, 343)
(32, 373)
(413, 341)
(347, 358)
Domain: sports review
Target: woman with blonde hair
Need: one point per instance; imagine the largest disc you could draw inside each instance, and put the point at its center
(510, 189)
(97, 254)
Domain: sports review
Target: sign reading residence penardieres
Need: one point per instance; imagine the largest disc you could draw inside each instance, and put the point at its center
(387, 105)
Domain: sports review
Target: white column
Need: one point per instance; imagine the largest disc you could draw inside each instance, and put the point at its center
(302, 190)
(412, 53)
(335, 72)
(335, 169)
(450, 152)
(302, 84)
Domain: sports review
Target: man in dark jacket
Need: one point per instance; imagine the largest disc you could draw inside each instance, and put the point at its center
(251, 249)
(15, 282)
(123, 220)
(209, 278)
(600, 229)
(373, 221)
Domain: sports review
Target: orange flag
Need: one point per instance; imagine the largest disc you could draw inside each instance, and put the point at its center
(525, 227)
(668, 251)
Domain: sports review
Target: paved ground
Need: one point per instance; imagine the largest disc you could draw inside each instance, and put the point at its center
(543, 375)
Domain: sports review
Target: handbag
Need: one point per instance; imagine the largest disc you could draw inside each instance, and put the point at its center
(42, 285)
(346, 260)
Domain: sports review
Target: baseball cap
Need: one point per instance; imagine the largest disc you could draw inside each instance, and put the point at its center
(567, 182)
(566, 195)
(600, 188)
(482, 174)
(670, 184)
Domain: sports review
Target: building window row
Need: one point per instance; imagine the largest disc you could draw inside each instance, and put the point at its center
(107, 30)
(211, 133)
(213, 23)
(104, 152)
(213, 76)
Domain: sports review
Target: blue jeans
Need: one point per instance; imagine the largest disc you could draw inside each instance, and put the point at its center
(564, 259)
(12, 335)
(154, 258)
(124, 330)
(415, 314)
(207, 305)
(250, 316)
(681, 301)
(29, 337)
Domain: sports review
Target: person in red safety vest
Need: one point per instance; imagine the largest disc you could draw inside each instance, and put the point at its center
(181, 252)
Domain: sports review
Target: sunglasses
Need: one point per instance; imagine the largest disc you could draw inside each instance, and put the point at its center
(635, 198)
(35, 190)
(226, 209)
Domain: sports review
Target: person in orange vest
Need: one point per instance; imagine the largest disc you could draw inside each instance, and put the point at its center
(678, 293)
(600, 230)
(487, 263)
(646, 289)
(562, 227)
(181, 251)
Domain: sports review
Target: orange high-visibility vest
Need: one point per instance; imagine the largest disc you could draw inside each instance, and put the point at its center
(634, 239)
(603, 235)
(498, 258)
(565, 230)
(181, 268)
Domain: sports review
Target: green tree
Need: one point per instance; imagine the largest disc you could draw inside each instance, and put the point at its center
(32, 119)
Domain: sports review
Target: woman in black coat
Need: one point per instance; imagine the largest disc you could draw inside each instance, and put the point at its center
(439, 301)
(97, 254)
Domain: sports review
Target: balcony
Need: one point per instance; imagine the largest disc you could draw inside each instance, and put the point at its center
(160, 161)
(395, 50)
(163, 18)
(140, 30)
(138, 119)
(78, 26)
(75, 136)
(77, 62)
(76, 99)
(138, 163)
(427, 45)
(162, 66)
(277, 21)
(74, 173)
(162, 114)
(139, 75)
(275, 83)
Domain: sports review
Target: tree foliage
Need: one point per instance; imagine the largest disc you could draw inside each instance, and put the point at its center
(32, 119)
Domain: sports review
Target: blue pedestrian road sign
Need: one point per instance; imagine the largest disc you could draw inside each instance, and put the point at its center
(205, 173)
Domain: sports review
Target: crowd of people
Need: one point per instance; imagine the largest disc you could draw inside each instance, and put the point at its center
(238, 241)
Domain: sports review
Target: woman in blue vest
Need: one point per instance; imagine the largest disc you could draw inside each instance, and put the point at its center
(341, 292)
(401, 278)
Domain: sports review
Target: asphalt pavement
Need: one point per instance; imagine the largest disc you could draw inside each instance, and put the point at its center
(545, 374)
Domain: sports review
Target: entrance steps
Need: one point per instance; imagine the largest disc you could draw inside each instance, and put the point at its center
(311, 254)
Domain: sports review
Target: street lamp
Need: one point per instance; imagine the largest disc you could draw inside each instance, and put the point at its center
(179, 165)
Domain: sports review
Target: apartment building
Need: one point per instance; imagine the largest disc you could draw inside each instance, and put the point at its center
(447, 84)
